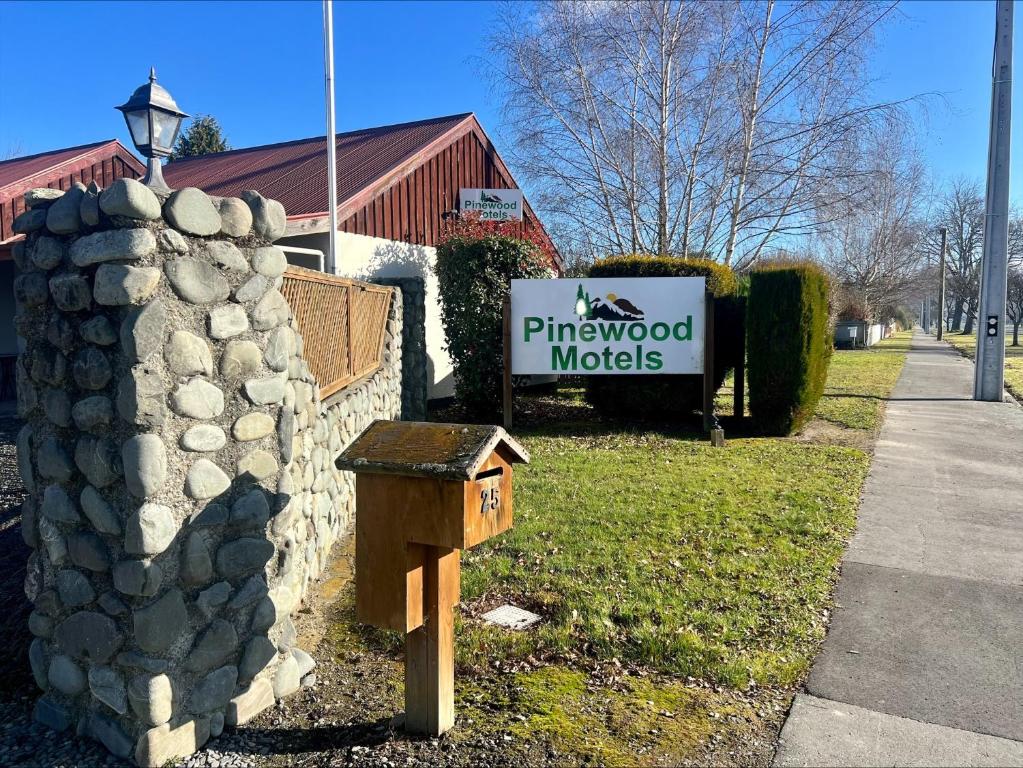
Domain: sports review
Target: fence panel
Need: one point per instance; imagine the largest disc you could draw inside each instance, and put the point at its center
(342, 322)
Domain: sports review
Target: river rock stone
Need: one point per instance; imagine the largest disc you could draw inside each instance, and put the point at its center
(210, 516)
(88, 208)
(259, 652)
(145, 464)
(47, 253)
(235, 216)
(163, 745)
(98, 459)
(266, 391)
(135, 577)
(74, 589)
(130, 198)
(149, 530)
(71, 293)
(24, 451)
(227, 255)
(38, 663)
(198, 399)
(212, 599)
(99, 512)
(51, 714)
(88, 551)
(227, 320)
(243, 557)
(251, 509)
(48, 365)
(213, 691)
(279, 348)
(113, 245)
(91, 369)
(31, 290)
(146, 663)
(287, 680)
(196, 565)
(108, 687)
(187, 354)
(203, 437)
(158, 625)
(205, 480)
(240, 358)
(57, 407)
(66, 676)
(172, 241)
(92, 413)
(88, 635)
(118, 285)
(151, 698)
(252, 590)
(40, 625)
(53, 540)
(196, 281)
(143, 330)
(215, 646)
(140, 397)
(42, 197)
(253, 288)
(270, 311)
(63, 217)
(98, 330)
(29, 221)
(257, 464)
(108, 733)
(246, 705)
(57, 505)
(191, 210)
(53, 461)
(252, 426)
(269, 261)
(114, 607)
(28, 522)
(269, 220)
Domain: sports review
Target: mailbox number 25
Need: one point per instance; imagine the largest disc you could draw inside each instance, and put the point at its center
(490, 499)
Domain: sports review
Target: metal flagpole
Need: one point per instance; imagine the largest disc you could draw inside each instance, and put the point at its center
(328, 65)
(990, 369)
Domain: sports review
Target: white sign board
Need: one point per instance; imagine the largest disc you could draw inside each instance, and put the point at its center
(492, 204)
(616, 326)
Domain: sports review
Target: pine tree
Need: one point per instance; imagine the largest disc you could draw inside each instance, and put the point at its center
(204, 136)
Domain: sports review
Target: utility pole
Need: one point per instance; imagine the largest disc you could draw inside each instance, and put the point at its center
(328, 76)
(989, 373)
(941, 285)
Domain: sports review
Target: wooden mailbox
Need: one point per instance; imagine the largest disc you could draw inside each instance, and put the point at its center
(423, 492)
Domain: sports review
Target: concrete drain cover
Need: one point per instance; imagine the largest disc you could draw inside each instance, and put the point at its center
(511, 617)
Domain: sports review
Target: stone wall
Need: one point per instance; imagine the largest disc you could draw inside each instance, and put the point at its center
(415, 373)
(179, 463)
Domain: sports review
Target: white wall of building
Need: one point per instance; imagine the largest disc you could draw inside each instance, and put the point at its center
(365, 258)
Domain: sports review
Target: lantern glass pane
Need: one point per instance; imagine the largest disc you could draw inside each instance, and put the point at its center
(138, 124)
(165, 130)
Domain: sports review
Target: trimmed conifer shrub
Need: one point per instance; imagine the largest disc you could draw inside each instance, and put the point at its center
(671, 396)
(789, 344)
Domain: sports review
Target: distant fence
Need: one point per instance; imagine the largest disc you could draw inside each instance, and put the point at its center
(342, 322)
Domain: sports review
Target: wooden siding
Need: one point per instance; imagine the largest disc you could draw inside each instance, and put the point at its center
(103, 171)
(414, 207)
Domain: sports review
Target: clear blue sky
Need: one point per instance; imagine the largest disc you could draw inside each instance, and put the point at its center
(258, 67)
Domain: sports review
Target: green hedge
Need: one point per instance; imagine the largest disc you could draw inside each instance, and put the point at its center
(671, 396)
(473, 277)
(789, 345)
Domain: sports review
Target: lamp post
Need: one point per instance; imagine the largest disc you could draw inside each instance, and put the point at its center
(153, 120)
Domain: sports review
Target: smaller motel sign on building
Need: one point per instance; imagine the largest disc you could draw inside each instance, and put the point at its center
(608, 326)
(492, 204)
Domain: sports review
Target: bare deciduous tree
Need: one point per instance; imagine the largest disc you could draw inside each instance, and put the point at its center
(1014, 302)
(676, 126)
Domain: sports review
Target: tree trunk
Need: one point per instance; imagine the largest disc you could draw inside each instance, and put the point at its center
(1015, 334)
(971, 312)
(957, 315)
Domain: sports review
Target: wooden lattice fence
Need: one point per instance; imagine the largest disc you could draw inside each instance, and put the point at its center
(342, 322)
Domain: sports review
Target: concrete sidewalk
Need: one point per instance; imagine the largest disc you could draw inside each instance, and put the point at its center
(923, 663)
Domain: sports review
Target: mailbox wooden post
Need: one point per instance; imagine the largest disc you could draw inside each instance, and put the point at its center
(423, 493)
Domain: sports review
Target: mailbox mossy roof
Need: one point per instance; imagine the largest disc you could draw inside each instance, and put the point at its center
(424, 449)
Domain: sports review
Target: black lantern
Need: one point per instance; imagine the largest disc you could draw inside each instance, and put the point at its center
(154, 120)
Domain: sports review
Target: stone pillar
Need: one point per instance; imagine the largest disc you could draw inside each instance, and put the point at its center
(179, 494)
(415, 361)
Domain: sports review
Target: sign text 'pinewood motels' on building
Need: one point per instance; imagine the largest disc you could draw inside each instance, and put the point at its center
(608, 326)
(492, 204)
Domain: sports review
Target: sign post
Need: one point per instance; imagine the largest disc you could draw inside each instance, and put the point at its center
(506, 379)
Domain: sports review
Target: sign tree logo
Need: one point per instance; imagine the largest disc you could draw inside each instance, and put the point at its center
(610, 307)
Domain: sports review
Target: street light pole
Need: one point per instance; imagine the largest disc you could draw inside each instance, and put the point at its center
(328, 76)
(989, 373)
(941, 285)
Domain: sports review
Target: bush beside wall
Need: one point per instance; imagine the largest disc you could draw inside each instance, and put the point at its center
(789, 345)
(474, 275)
(671, 396)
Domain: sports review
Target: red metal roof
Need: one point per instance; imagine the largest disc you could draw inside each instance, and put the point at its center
(295, 172)
(38, 170)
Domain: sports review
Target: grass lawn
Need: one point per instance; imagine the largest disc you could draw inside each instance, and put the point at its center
(1013, 357)
(684, 589)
